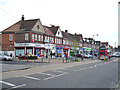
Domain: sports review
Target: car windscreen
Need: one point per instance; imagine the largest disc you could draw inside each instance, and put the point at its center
(102, 48)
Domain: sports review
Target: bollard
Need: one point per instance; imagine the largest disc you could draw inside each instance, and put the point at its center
(34, 58)
(63, 59)
(66, 60)
(42, 59)
(27, 58)
(82, 58)
(20, 59)
(49, 59)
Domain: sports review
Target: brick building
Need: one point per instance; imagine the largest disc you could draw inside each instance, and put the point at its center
(23, 37)
(0, 41)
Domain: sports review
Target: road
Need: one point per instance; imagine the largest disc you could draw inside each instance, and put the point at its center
(99, 74)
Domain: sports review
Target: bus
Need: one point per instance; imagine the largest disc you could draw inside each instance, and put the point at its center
(103, 53)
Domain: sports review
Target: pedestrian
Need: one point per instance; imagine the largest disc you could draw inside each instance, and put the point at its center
(51, 54)
(66, 56)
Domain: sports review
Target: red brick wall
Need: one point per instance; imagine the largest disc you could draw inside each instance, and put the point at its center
(6, 43)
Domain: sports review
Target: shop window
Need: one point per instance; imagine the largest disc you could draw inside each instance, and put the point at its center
(29, 51)
(26, 36)
(19, 51)
(10, 37)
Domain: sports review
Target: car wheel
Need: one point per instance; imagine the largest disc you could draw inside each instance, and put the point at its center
(4, 59)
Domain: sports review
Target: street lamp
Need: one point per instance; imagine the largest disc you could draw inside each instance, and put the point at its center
(93, 43)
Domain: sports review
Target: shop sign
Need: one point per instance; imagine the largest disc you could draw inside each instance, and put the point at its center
(49, 46)
(59, 47)
(28, 45)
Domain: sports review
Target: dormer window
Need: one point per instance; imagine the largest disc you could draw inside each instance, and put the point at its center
(58, 33)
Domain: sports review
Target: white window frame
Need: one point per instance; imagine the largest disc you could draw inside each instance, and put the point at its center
(35, 37)
(42, 38)
(39, 38)
(10, 37)
(26, 36)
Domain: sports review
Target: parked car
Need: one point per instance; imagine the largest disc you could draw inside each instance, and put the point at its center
(79, 55)
(116, 54)
(5, 57)
(88, 55)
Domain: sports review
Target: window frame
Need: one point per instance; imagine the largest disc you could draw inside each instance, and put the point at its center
(26, 37)
(10, 37)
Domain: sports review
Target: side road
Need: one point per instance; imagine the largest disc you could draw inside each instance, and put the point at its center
(40, 69)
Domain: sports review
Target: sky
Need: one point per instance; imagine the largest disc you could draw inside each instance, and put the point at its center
(86, 17)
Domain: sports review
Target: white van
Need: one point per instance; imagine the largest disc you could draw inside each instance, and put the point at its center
(5, 57)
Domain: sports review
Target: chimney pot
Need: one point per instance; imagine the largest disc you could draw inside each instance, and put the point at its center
(22, 18)
(66, 31)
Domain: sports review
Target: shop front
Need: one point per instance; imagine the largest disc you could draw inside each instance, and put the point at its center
(29, 49)
(59, 50)
(87, 50)
(49, 49)
(66, 49)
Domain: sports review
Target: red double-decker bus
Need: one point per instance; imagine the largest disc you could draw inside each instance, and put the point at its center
(103, 53)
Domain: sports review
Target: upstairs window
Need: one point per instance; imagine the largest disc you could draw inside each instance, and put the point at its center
(38, 27)
(10, 37)
(35, 37)
(39, 38)
(26, 36)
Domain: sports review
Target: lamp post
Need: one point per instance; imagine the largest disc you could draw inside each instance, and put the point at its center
(93, 43)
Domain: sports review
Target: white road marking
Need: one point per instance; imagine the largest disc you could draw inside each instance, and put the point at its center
(95, 66)
(80, 69)
(60, 75)
(43, 66)
(31, 77)
(47, 74)
(90, 67)
(7, 83)
(49, 78)
(17, 86)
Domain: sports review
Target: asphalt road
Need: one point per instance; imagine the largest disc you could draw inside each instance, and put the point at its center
(102, 74)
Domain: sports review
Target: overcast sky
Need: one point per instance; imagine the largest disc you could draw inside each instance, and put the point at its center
(87, 17)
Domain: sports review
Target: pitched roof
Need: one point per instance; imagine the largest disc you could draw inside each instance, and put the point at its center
(47, 30)
(66, 35)
(26, 24)
(73, 36)
(53, 29)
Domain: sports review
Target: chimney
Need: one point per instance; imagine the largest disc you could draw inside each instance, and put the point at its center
(66, 31)
(22, 23)
(22, 18)
(52, 25)
(75, 33)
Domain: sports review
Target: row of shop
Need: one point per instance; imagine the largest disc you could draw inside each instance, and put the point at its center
(45, 49)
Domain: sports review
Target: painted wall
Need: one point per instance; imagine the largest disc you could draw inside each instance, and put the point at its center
(40, 29)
